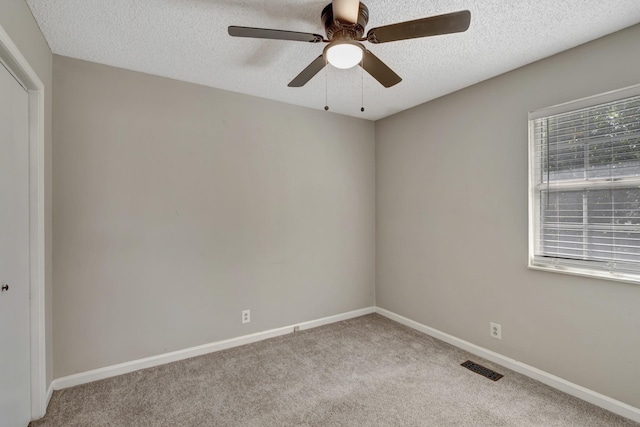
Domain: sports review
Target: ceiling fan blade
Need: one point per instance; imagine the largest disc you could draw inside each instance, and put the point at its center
(346, 10)
(379, 70)
(265, 33)
(455, 22)
(308, 73)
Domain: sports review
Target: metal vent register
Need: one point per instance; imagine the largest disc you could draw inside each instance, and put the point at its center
(479, 369)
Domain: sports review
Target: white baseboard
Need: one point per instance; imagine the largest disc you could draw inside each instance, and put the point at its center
(576, 390)
(333, 319)
(161, 359)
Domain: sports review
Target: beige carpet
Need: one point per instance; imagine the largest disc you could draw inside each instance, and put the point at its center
(367, 371)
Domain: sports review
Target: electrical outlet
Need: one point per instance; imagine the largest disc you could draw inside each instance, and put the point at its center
(246, 316)
(495, 330)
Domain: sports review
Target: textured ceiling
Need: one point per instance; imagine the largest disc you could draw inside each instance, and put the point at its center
(188, 40)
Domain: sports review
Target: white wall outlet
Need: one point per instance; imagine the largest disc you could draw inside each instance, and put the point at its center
(246, 316)
(495, 330)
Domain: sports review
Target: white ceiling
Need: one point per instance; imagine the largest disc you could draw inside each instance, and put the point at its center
(187, 40)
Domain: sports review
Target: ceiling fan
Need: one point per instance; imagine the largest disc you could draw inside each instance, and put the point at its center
(344, 22)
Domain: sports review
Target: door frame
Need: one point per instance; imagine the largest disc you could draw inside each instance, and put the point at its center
(17, 65)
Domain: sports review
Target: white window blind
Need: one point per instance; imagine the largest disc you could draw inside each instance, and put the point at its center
(586, 189)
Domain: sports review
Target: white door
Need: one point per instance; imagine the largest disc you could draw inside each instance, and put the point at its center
(15, 404)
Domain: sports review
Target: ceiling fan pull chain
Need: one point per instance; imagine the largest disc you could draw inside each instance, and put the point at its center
(326, 102)
(362, 85)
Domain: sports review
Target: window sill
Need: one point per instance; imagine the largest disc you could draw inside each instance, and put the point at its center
(574, 271)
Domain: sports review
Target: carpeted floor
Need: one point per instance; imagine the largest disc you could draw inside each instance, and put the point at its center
(367, 371)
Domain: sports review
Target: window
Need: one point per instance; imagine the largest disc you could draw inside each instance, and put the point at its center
(585, 186)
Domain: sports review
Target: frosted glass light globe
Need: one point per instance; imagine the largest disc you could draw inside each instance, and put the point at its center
(344, 55)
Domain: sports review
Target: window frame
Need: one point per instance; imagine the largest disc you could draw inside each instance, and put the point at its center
(572, 267)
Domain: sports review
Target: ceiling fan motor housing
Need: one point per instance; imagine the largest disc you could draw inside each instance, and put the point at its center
(337, 29)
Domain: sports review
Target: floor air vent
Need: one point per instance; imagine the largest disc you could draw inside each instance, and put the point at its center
(479, 369)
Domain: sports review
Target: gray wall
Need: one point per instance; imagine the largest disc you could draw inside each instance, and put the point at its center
(16, 19)
(177, 206)
(452, 225)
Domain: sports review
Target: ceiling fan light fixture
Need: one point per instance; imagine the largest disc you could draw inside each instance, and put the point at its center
(344, 54)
